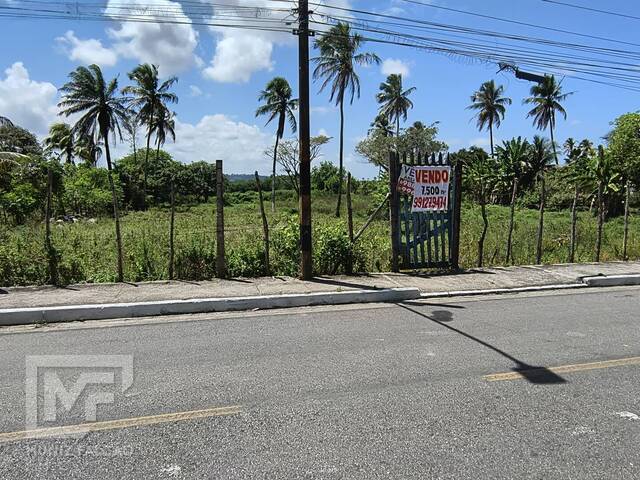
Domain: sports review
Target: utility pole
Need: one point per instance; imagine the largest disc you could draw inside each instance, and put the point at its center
(306, 259)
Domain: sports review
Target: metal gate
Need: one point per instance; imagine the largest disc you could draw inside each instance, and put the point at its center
(424, 239)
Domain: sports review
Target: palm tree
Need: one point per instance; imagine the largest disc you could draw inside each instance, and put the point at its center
(577, 157)
(482, 176)
(88, 149)
(490, 104)
(336, 66)
(513, 157)
(4, 121)
(278, 103)
(164, 124)
(149, 96)
(381, 125)
(601, 170)
(394, 101)
(546, 98)
(102, 111)
(61, 138)
(539, 162)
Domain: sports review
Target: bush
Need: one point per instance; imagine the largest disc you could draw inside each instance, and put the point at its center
(246, 261)
(333, 253)
(196, 262)
(285, 248)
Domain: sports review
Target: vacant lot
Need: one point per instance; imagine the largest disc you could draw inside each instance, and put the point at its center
(87, 249)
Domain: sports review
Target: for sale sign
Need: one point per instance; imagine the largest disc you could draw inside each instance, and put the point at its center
(407, 179)
(431, 189)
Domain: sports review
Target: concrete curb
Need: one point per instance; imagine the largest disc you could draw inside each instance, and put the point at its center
(500, 291)
(612, 280)
(26, 316)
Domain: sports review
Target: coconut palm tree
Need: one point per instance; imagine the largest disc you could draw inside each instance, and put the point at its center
(513, 156)
(577, 156)
(336, 66)
(164, 125)
(490, 105)
(546, 98)
(602, 171)
(381, 125)
(61, 138)
(278, 103)
(101, 111)
(540, 161)
(89, 149)
(394, 100)
(148, 96)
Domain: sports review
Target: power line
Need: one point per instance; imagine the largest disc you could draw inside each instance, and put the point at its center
(521, 23)
(591, 9)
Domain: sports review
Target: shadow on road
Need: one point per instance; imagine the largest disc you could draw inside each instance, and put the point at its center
(533, 374)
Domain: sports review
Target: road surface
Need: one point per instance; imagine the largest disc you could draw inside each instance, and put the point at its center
(521, 386)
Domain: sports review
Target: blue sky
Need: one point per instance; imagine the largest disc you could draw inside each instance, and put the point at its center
(221, 72)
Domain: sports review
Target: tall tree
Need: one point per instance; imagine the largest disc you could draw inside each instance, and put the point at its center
(336, 66)
(624, 144)
(490, 105)
(394, 100)
(547, 98)
(513, 156)
(149, 96)
(5, 121)
(602, 171)
(61, 138)
(164, 125)
(381, 125)
(278, 103)
(481, 177)
(101, 111)
(540, 161)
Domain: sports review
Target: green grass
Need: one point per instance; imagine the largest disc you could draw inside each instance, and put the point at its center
(87, 250)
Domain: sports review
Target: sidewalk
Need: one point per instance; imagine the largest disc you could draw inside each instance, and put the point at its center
(470, 280)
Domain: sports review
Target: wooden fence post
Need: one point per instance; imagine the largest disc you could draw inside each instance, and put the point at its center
(349, 208)
(171, 231)
(394, 203)
(48, 244)
(265, 226)
(457, 209)
(221, 264)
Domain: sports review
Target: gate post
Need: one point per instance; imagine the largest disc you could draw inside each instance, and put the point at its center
(457, 206)
(394, 207)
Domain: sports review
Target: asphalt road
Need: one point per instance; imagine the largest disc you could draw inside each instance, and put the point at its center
(373, 391)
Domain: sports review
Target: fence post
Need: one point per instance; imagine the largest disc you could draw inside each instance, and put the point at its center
(394, 203)
(457, 208)
(349, 208)
(265, 226)
(221, 265)
(171, 231)
(52, 254)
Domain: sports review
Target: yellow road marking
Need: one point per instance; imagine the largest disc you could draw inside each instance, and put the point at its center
(581, 367)
(116, 424)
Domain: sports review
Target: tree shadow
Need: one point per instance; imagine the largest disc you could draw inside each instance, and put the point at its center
(533, 374)
(339, 283)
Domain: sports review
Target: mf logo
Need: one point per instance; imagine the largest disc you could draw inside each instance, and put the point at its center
(75, 384)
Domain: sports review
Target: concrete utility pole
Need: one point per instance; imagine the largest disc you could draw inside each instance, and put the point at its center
(306, 259)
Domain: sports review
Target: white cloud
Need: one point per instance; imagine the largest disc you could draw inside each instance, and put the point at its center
(195, 91)
(480, 142)
(86, 51)
(241, 146)
(393, 65)
(26, 102)
(242, 52)
(170, 46)
(237, 57)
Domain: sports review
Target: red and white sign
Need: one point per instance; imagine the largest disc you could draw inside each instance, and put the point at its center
(431, 189)
(406, 180)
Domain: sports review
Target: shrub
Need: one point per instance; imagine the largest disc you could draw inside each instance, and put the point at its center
(246, 261)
